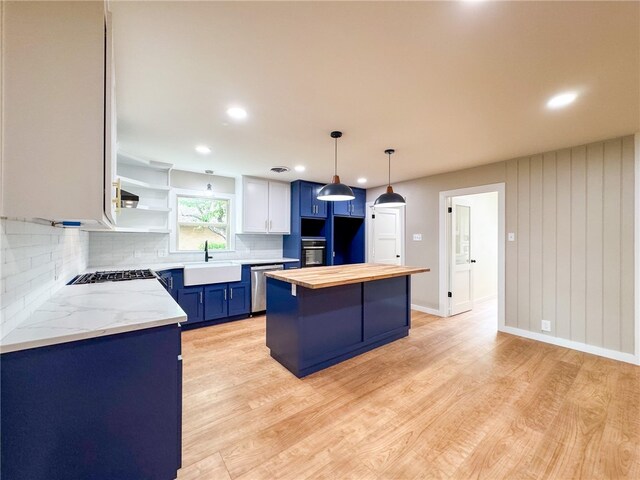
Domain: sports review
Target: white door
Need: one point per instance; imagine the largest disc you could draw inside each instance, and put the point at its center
(279, 208)
(386, 236)
(461, 268)
(255, 209)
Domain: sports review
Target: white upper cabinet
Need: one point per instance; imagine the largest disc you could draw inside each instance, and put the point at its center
(265, 206)
(255, 205)
(279, 207)
(59, 158)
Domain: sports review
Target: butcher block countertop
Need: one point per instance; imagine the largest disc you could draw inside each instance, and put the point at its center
(323, 277)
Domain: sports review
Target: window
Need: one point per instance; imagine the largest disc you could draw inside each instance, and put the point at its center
(201, 219)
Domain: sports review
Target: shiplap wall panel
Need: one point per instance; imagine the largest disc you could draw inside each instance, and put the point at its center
(578, 243)
(549, 242)
(523, 238)
(535, 242)
(595, 246)
(627, 314)
(573, 259)
(612, 165)
(511, 254)
(563, 245)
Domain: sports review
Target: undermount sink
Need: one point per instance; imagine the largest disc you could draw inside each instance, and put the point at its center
(212, 272)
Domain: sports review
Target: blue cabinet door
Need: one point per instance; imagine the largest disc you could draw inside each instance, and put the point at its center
(321, 205)
(215, 301)
(170, 280)
(190, 300)
(307, 199)
(342, 208)
(358, 204)
(239, 298)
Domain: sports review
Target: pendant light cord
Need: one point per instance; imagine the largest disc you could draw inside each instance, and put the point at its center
(335, 166)
(389, 170)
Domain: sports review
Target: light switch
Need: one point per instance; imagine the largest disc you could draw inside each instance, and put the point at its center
(293, 289)
(417, 237)
(511, 237)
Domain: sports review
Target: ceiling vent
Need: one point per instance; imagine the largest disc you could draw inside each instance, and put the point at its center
(280, 169)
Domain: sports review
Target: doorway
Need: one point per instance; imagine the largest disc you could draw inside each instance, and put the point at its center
(472, 249)
(385, 235)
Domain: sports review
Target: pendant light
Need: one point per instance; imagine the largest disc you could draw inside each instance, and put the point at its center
(209, 191)
(390, 198)
(336, 191)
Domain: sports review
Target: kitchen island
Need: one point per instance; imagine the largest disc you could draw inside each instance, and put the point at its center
(317, 317)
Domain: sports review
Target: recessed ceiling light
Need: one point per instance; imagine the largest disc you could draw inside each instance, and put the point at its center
(562, 100)
(299, 168)
(362, 180)
(237, 113)
(203, 149)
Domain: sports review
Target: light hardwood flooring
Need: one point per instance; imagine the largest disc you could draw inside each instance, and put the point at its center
(454, 400)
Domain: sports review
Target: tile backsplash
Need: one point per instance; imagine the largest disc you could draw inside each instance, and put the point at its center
(122, 249)
(35, 261)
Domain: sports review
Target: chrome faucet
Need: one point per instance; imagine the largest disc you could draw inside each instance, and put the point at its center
(206, 251)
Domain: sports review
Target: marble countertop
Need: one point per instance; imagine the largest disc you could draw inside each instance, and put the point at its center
(80, 312)
(158, 267)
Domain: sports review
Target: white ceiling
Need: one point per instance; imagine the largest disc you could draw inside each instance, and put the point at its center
(448, 85)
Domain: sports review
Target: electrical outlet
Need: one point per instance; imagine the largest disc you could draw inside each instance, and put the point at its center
(546, 325)
(417, 237)
(511, 237)
(162, 253)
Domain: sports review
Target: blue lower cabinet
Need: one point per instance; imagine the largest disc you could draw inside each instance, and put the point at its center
(291, 265)
(215, 301)
(191, 300)
(103, 408)
(239, 298)
(172, 280)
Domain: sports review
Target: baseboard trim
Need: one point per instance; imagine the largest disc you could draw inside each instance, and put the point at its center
(581, 347)
(431, 311)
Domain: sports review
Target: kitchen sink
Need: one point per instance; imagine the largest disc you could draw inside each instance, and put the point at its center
(211, 272)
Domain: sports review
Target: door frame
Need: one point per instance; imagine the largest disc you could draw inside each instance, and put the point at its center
(444, 250)
(369, 208)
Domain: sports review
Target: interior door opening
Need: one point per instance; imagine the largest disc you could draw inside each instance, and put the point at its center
(472, 251)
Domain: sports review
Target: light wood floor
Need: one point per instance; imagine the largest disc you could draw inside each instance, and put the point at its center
(455, 400)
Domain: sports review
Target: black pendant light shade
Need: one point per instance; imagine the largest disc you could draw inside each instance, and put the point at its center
(390, 198)
(336, 191)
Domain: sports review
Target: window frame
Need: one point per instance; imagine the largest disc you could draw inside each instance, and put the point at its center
(173, 218)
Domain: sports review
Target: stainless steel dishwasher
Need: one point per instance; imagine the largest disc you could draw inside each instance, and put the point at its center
(259, 286)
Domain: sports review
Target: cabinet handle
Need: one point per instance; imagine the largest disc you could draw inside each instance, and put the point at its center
(231, 294)
(270, 224)
(225, 293)
(118, 199)
(265, 224)
(171, 283)
(200, 297)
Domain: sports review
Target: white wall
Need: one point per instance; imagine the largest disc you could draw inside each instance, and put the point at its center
(35, 261)
(572, 263)
(484, 244)
(119, 249)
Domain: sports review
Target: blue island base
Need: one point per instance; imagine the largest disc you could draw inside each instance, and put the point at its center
(312, 329)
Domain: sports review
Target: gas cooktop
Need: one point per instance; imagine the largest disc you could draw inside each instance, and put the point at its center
(113, 276)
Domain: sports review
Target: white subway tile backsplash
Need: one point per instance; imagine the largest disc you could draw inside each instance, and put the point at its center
(35, 261)
(122, 249)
